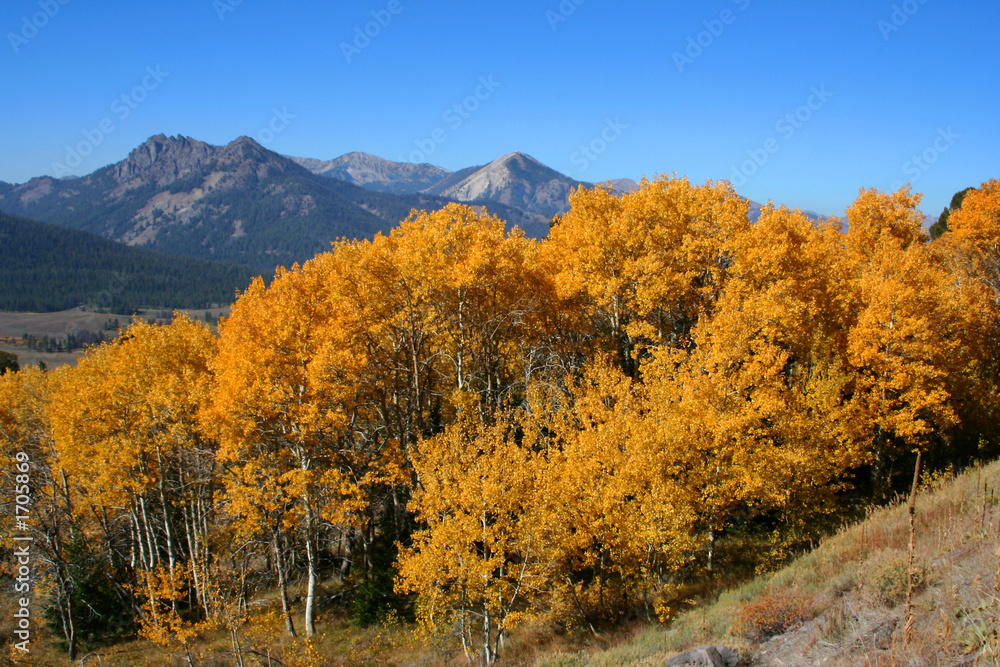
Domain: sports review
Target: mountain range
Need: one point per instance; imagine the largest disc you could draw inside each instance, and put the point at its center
(244, 204)
(516, 179)
(239, 203)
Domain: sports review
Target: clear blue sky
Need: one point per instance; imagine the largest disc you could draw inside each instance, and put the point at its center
(627, 79)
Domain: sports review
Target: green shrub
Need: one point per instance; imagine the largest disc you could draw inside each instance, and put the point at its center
(885, 574)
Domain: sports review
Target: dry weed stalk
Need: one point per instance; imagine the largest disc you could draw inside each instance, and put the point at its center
(861, 561)
(945, 629)
(911, 510)
(982, 518)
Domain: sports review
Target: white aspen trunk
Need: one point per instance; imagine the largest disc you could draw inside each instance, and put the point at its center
(711, 550)
(466, 636)
(136, 540)
(193, 553)
(151, 541)
(311, 561)
(279, 563)
(166, 529)
(203, 509)
(461, 342)
(487, 646)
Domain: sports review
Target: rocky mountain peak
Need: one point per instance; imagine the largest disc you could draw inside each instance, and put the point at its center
(162, 159)
(514, 179)
(376, 173)
(518, 157)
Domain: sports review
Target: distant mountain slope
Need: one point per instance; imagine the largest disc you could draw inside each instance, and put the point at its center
(394, 208)
(239, 203)
(514, 179)
(244, 204)
(756, 209)
(375, 173)
(622, 185)
(532, 191)
(45, 268)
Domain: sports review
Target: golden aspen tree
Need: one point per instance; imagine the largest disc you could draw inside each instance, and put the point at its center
(748, 409)
(403, 365)
(903, 338)
(484, 553)
(284, 398)
(394, 397)
(881, 222)
(443, 310)
(704, 411)
(29, 474)
(449, 301)
(970, 254)
(130, 453)
(648, 263)
(979, 225)
(480, 293)
(625, 524)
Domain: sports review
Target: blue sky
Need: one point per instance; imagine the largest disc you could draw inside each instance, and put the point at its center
(796, 102)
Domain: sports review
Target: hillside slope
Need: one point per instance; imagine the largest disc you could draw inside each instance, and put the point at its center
(48, 268)
(844, 603)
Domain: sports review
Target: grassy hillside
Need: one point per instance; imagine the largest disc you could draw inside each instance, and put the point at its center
(844, 602)
(48, 268)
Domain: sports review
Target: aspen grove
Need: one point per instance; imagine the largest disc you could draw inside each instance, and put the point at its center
(460, 425)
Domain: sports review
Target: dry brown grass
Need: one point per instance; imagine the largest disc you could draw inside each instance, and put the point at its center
(855, 585)
(770, 615)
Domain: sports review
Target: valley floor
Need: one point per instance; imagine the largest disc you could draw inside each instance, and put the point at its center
(59, 324)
